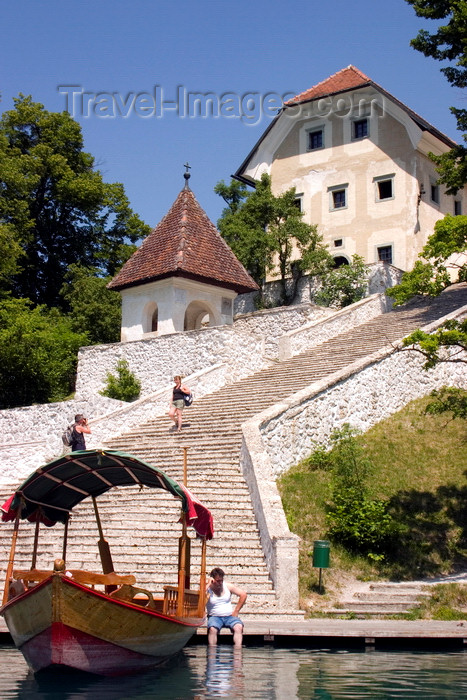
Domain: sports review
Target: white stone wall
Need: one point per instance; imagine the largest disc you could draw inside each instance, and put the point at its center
(362, 394)
(155, 361)
(308, 336)
(381, 276)
(273, 323)
(32, 435)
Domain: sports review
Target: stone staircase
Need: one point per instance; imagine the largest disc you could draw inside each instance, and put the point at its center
(380, 600)
(143, 538)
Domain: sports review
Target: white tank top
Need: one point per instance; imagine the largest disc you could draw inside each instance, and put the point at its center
(219, 605)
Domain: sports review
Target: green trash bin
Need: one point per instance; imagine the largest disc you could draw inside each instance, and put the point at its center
(321, 554)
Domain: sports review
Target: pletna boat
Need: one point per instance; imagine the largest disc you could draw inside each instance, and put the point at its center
(102, 623)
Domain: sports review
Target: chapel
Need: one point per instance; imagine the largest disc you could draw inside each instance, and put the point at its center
(183, 277)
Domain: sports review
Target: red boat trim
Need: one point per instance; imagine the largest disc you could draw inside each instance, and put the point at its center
(111, 660)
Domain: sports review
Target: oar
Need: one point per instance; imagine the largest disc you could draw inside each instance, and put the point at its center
(104, 549)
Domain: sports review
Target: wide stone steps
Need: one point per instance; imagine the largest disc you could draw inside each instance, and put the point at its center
(140, 532)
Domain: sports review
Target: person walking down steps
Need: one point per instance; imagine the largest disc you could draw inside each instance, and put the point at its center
(177, 403)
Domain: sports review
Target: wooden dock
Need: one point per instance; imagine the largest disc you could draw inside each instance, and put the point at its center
(326, 632)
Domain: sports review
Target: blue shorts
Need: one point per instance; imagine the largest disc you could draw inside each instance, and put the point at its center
(225, 621)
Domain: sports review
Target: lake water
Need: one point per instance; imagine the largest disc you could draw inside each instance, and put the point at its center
(201, 673)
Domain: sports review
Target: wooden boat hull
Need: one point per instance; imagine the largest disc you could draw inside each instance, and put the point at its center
(62, 623)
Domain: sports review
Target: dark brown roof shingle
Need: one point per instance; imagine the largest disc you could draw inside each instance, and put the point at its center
(185, 243)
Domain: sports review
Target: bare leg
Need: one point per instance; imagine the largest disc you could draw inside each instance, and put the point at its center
(173, 414)
(212, 636)
(238, 635)
(179, 418)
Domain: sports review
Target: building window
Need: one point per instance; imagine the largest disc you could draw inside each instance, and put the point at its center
(338, 243)
(154, 321)
(385, 253)
(315, 139)
(435, 194)
(337, 197)
(457, 207)
(360, 129)
(384, 187)
(298, 202)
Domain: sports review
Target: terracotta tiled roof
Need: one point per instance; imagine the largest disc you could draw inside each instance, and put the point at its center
(345, 79)
(351, 78)
(185, 244)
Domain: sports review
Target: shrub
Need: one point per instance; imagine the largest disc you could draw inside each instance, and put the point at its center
(344, 285)
(360, 523)
(125, 386)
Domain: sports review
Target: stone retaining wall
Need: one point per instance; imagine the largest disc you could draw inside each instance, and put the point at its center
(31, 435)
(362, 394)
(273, 323)
(308, 336)
(381, 275)
(156, 360)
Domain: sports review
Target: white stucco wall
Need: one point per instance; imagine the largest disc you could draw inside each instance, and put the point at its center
(173, 297)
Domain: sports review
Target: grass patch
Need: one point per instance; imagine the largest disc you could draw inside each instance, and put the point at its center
(420, 466)
(447, 601)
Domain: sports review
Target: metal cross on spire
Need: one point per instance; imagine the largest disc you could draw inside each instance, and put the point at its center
(186, 175)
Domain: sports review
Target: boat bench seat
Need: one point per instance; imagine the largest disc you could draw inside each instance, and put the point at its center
(137, 596)
(190, 601)
(31, 575)
(89, 578)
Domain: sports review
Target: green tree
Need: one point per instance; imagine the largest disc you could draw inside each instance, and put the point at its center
(57, 204)
(452, 335)
(94, 309)
(263, 230)
(38, 354)
(440, 258)
(123, 386)
(344, 285)
(448, 44)
(10, 253)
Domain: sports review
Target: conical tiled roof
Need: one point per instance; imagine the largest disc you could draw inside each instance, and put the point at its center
(185, 244)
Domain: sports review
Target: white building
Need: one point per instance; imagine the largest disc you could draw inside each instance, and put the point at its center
(184, 275)
(358, 158)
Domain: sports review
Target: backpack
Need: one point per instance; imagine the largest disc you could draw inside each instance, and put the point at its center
(67, 436)
(188, 399)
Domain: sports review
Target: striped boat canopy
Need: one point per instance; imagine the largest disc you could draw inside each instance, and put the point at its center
(52, 491)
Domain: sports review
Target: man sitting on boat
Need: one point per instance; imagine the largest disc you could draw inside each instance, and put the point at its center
(221, 612)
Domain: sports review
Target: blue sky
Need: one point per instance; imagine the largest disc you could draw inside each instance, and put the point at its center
(148, 48)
